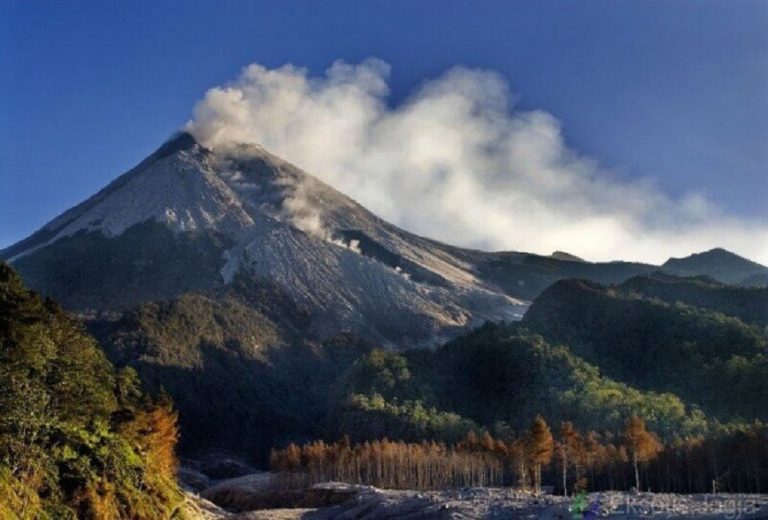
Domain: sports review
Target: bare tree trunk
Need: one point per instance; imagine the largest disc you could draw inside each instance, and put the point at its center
(523, 476)
(565, 473)
(637, 472)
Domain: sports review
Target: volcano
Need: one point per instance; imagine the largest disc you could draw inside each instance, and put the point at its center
(189, 219)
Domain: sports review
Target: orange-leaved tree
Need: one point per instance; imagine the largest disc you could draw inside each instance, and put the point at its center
(642, 444)
(541, 446)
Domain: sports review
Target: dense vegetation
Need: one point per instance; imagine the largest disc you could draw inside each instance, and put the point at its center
(707, 358)
(243, 347)
(585, 355)
(77, 437)
(279, 387)
(496, 377)
(696, 377)
(749, 304)
(727, 459)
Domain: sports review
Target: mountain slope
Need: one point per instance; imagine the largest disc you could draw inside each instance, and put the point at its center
(749, 304)
(239, 372)
(188, 219)
(714, 361)
(719, 264)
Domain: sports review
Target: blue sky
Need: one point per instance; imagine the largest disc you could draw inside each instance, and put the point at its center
(672, 91)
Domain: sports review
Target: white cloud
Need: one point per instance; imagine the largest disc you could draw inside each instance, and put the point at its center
(457, 162)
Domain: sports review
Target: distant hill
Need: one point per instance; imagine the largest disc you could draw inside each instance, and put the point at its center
(715, 361)
(719, 264)
(756, 280)
(527, 275)
(749, 304)
(562, 255)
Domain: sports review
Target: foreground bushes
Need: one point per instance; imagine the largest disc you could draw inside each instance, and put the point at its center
(77, 438)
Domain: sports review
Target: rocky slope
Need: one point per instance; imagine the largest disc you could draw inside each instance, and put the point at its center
(188, 219)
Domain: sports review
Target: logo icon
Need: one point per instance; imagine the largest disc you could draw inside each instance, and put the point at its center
(584, 509)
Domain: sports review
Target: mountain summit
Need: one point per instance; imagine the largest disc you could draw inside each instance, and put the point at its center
(191, 219)
(719, 264)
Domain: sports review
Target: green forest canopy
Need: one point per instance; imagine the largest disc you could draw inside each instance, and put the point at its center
(77, 438)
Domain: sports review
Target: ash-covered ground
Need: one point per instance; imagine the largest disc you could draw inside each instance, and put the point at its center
(368, 503)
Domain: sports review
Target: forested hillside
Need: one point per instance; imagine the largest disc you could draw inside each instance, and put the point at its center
(636, 391)
(235, 362)
(502, 406)
(749, 304)
(78, 439)
(278, 388)
(709, 359)
(496, 378)
(585, 353)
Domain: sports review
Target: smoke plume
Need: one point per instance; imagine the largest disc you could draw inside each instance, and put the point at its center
(456, 161)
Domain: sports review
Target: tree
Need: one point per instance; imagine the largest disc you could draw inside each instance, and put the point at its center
(382, 372)
(517, 452)
(642, 444)
(541, 447)
(569, 449)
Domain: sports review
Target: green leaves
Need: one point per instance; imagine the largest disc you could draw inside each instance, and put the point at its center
(381, 372)
(654, 346)
(60, 450)
(496, 374)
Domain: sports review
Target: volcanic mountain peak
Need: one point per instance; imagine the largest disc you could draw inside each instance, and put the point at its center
(187, 212)
(175, 186)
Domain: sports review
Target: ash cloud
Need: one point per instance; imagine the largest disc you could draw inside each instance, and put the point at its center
(457, 161)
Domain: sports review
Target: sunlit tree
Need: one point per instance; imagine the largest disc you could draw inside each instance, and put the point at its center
(642, 444)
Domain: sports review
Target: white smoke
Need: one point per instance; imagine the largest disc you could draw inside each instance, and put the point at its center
(457, 162)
